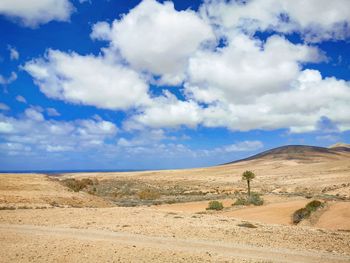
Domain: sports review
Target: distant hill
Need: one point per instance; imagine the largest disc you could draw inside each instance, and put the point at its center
(340, 145)
(299, 152)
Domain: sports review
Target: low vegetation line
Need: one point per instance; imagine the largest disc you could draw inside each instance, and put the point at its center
(306, 211)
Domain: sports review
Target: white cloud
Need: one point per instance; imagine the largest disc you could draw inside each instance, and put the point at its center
(88, 80)
(144, 137)
(20, 98)
(300, 107)
(9, 80)
(4, 107)
(52, 112)
(32, 13)
(156, 38)
(247, 68)
(40, 135)
(34, 114)
(244, 146)
(5, 127)
(316, 20)
(328, 138)
(14, 54)
(167, 111)
(245, 84)
(252, 85)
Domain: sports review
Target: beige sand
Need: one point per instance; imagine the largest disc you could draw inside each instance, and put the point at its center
(185, 232)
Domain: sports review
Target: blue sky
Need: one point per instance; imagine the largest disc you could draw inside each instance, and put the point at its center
(169, 84)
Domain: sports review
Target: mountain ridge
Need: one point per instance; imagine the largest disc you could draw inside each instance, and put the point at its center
(298, 152)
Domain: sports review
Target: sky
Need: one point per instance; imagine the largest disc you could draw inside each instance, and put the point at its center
(111, 84)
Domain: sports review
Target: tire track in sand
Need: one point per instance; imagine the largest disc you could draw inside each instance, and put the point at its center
(229, 250)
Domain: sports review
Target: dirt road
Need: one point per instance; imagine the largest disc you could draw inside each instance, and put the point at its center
(224, 250)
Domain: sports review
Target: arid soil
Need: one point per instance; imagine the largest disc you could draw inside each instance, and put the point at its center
(161, 216)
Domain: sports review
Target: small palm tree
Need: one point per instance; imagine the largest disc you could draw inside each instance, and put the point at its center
(248, 176)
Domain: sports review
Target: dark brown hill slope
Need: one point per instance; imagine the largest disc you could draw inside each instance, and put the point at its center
(299, 152)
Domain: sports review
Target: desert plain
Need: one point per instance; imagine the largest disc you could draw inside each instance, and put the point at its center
(161, 216)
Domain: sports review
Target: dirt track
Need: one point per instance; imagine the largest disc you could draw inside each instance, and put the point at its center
(220, 249)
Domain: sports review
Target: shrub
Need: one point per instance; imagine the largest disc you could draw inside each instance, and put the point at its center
(86, 182)
(241, 201)
(253, 199)
(306, 211)
(300, 214)
(314, 205)
(148, 194)
(7, 208)
(215, 205)
(247, 224)
(77, 185)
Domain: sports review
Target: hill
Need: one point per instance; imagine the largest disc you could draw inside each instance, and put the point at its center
(300, 152)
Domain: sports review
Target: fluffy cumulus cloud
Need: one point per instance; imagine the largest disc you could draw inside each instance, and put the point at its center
(38, 135)
(32, 13)
(300, 106)
(316, 20)
(247, 68)
(241, 83)
(156, 38)
(87, 80)
(166, 111)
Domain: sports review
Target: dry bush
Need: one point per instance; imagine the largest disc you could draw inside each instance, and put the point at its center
(247, 224)
(148, 194)
(215, 205)
(77, 185)
(7, 208)
(253, 199)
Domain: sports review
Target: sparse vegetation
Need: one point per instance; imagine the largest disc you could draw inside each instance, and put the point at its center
(253, 199)
(148, 194)
(7, 208)
(306, 211)
(248, 225)
(77, 185)
(314, 205)
(215, 205)
(300, 215)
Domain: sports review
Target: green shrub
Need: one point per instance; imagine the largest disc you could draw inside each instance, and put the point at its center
(306, 211)
(253, 199)
(241, 201)
(300, 214)
(215, 205)
(314, 205)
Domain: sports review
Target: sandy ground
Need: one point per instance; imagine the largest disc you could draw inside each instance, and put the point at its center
(322, 174)
(38, 191)
(336, 216)
(191, 237)
(79, 227)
